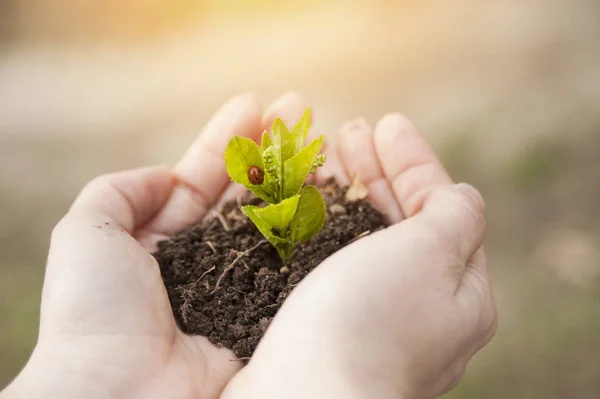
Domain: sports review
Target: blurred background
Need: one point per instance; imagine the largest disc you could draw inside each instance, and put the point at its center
(507, 91)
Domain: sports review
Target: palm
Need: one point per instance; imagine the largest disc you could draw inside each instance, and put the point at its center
(118, 314)
(103, 290)
(335, 306)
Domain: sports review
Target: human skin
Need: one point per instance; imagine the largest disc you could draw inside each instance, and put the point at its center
(403, 318)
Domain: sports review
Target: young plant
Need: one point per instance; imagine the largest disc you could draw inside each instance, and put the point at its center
(276, 172)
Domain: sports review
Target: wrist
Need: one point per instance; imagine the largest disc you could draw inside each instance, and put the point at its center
(259, 382)
(319, 376)
(36, 381)
(48, 377)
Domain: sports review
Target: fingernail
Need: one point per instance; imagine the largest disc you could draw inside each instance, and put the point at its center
(243, 99)
(281, 108)
(354, 135)
(234, 109)
(395, 121)
(359, 125)
(390, 128)
(292, 95)
(288, 98)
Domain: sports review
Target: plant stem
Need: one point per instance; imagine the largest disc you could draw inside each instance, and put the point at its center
(285, 252)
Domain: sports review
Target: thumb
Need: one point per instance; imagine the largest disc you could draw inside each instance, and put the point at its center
(456, 215)
(98, 278)
(128, 198)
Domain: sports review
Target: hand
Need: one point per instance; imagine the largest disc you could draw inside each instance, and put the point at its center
(397, 314)
(106, 327)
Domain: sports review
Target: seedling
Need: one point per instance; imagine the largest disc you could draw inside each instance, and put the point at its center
(276, 172)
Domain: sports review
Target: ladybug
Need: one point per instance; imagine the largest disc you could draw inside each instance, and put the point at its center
(256, 175)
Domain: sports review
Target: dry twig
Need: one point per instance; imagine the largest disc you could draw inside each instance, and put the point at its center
(213, 267)
(357, 190)
(361, 235)
(230, 266)
(223, 221)
(211, 246)
(239, 359)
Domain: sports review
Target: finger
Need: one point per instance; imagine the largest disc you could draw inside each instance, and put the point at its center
(474, 293)
(95, 266)
(201, 173)
(359, 159)
(126, 199)
(443, 237)
(289, 108)
(474, 284)
(232, 193)
(408, 162)
(454, 214)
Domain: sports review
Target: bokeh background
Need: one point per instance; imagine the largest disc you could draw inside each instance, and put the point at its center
(507, 91)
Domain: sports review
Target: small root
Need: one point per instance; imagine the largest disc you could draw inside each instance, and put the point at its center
(235, 215)
(185, 307)
(245, 265)
(230, 266)
(212, 247)
(205, 273)
(192, 285)
(223, 221)
(361, 235)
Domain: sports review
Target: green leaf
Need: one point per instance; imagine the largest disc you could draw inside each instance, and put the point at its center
(297, 168)
(284, 140)
(310, 215)
(301, 129)
(282, 149)
(240, 154)
(266, 141)
(284, 247)
(279, 215)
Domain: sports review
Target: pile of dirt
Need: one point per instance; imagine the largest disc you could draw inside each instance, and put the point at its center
(226, 282)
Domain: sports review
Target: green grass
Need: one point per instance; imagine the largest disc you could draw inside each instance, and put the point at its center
(545, 351)
(19, 309)
(534, 165)
(458, 153)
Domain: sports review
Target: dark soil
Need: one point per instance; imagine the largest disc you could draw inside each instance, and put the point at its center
(226, 282)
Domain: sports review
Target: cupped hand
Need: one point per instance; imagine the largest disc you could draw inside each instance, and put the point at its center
(107, 328)
(397, 314)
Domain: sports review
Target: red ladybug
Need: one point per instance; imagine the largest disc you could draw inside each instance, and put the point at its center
(256, 175)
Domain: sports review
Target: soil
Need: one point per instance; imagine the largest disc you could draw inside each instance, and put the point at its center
(226, 282)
